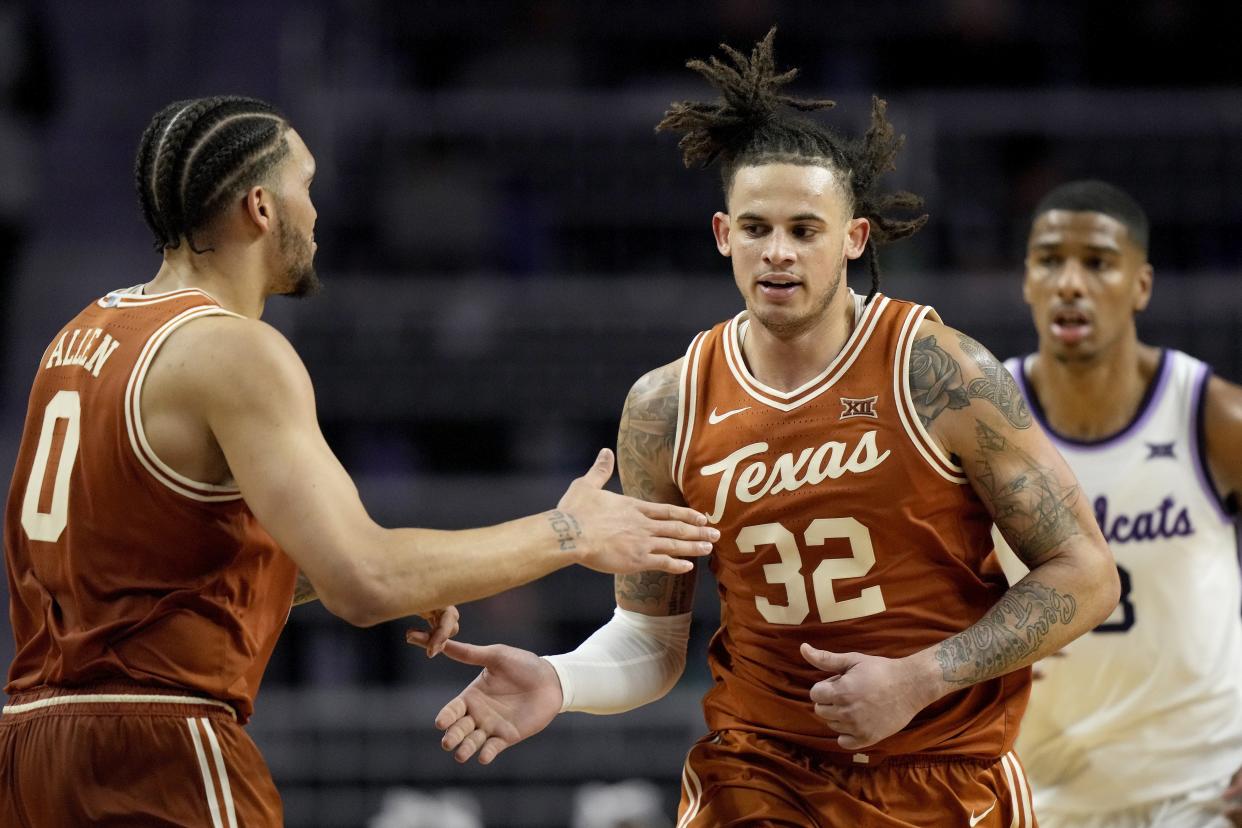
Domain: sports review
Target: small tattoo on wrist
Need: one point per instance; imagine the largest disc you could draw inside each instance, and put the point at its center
(566, 528)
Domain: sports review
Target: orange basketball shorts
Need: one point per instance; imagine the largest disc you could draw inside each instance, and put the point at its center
(86, 757)
(735, 778)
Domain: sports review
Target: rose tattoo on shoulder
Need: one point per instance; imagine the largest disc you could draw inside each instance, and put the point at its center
(935, 380)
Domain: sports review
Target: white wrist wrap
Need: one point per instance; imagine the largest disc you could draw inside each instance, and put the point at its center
(630, 661)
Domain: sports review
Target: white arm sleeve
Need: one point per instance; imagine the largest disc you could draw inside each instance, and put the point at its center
(632, 660)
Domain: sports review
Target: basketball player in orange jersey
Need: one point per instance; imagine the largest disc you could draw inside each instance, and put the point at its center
(171, 482)
(854, 453)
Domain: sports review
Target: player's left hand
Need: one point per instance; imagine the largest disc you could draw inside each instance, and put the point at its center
(444, 625)
(517, 695)
(865, 698)
(1233, 799)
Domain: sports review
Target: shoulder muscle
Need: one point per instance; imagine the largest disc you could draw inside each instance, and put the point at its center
(948, 370)
(645, 439)
(242, 366)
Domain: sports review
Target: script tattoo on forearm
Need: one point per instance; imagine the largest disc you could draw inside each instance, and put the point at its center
(936, 382)
(304, 590)
(1031, 506)
(1011, 632)
(997, 385)
(566, 528)
(644, 457)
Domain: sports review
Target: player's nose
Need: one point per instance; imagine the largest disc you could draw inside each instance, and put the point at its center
(1071, 280)
(779, 249)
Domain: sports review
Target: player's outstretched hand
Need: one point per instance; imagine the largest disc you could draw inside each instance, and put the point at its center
(515, 697)
(864, 698)
(620, 535)
(443, 624)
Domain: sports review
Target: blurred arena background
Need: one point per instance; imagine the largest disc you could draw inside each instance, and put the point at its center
(506, 246)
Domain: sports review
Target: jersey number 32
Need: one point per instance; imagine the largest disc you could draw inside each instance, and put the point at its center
(788, 573)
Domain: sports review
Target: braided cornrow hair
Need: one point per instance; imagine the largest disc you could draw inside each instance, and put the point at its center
(196, 155)
(747, 127)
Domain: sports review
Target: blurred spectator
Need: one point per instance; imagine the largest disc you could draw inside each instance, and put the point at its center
(405, 808)
(634, 803)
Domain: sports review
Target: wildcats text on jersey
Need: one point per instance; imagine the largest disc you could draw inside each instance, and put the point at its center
(80, 350)
(1165, 521)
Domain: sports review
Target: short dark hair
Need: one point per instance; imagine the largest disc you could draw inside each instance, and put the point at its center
(197, 154)
(748, 126)
(1093, 196)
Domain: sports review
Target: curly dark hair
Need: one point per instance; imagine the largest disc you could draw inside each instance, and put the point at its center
(749, 126)
(196, 155)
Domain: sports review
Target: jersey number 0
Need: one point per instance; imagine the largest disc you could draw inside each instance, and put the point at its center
(48, 526)
(788, 572)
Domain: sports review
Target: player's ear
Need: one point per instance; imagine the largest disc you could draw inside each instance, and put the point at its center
(1143, 287)
(720, 229)
(857, 231)
(257, 203)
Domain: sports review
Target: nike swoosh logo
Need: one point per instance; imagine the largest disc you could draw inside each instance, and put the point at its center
(975, 820)
(714, 418)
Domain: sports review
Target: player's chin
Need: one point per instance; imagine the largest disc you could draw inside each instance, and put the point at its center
(778, 318)
(303, 284)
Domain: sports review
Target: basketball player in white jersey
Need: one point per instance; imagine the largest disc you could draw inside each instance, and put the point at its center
(1138, 723)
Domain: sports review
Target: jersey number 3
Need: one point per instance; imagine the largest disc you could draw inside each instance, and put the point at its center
(48, 526)
(788, 573)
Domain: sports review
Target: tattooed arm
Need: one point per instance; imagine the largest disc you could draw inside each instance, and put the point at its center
(644, 460)
(973, 408)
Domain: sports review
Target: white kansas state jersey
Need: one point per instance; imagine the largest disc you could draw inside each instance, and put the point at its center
(1149, 704)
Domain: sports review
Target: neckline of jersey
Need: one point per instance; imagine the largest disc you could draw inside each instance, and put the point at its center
(139, 290)
(1151, 396)
(866, 316)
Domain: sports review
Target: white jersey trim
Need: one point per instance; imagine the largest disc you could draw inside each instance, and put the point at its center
(1024, 789)
(687, 400)
(132, 296)
(789, 400)
(226, 790)
(694, 792)
(1015, 809)
(161, 471)
(115, 698)
(907, 413)
(209, 787)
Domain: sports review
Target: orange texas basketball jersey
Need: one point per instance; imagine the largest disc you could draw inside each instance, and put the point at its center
(843, 525)
(120, 569)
